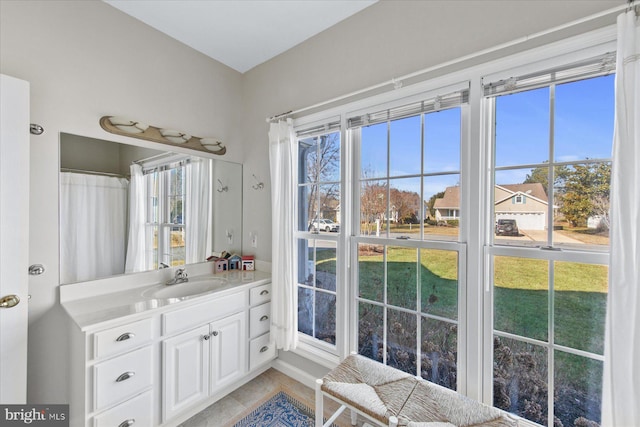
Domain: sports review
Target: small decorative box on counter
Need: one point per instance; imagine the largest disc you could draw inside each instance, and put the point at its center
(248, 263)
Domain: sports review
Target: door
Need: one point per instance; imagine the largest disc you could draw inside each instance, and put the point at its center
(228, 350)
(185, 370)
(14, 238)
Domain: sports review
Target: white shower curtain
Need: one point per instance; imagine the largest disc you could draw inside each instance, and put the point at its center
(136, 254)
(621, 385)
(284, 318)
(93, 224)
(196, 214)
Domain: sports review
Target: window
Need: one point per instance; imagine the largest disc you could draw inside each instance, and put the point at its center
(552, 146)
(408, 259)
(319, 207)
(165, 228)
(472, 240)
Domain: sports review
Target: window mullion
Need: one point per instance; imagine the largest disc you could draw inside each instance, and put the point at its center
(550, 172)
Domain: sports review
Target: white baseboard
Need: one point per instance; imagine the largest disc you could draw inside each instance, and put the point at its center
(294, 372)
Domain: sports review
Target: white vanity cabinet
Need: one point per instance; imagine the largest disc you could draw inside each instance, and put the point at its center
(201, 361)
(113, 374)
(261, 349)
(160, 364)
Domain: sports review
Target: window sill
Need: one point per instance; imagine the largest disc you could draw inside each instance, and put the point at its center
(316, 354)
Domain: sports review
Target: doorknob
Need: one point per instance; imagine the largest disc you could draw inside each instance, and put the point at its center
(9, 301)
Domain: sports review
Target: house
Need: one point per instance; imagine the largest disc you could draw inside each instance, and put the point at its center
(84, 60)
(221, 265)
(526, 203)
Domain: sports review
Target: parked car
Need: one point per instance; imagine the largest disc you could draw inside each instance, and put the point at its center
(324, 225)
(507, 227)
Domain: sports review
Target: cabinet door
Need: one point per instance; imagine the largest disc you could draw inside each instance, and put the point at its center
(228, 350)
(186, 362)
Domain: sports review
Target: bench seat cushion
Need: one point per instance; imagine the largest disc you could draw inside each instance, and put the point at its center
(381, 391)
(432, 403)
(369, 386)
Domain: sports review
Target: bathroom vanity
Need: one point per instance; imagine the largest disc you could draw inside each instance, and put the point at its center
(154, 355)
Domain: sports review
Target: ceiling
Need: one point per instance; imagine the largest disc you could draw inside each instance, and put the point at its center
(241, 33)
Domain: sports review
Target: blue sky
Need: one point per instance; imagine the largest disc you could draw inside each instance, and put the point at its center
(583, 129)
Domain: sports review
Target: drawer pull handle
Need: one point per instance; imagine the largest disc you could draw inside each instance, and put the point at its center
(263, 318)
(263, 349)
(127, 423)
(125, 376)
(125, 336)
(265, 292)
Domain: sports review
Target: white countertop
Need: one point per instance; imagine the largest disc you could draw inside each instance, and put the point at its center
(88, 311)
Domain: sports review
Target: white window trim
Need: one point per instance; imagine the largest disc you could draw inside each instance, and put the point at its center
(476, 231)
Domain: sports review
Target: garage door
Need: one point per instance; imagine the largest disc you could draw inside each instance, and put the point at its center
(525, 220)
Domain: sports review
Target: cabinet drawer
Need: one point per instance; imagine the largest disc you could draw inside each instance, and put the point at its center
(116, 379)
(261, 350)
(259, 320)
(122, 338)
(260, 294)
(137, 412)
(199, 314)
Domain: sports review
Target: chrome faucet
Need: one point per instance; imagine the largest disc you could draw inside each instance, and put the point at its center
(181, 277)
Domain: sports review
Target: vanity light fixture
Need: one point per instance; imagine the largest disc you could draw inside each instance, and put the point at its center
(127, 127)
(175, 136)
(212, 144)
(259, 185)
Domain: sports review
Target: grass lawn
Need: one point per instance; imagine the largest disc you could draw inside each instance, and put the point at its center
(438, 279)
(521, 298)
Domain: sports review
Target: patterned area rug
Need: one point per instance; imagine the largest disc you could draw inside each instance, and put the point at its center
(281, 410)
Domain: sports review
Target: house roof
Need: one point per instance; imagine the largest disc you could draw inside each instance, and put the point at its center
(451, 198)
(534, 189)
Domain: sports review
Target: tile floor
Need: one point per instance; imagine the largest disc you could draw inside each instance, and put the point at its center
(227, 411)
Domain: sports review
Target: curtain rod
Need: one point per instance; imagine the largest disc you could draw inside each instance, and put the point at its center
(88, 172)
(154, 157)
(397, 81)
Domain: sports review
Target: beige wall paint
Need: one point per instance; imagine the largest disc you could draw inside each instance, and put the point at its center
(85, 59)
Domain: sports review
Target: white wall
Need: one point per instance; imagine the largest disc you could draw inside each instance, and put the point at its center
(84, 60)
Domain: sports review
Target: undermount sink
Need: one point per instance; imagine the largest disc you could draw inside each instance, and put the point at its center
(193, 287)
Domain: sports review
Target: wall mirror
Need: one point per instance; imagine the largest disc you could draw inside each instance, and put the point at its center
(126, 208)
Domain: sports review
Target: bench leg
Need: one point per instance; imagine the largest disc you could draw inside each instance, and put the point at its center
(319, 404)
(393, 421)
(354, 418)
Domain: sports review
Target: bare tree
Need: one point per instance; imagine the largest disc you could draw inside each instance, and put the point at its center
(321, 165)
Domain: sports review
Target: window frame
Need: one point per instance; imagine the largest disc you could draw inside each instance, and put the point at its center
(476, 231)
(550, 254)
(163, 224)
(324, 353)
(421, 242)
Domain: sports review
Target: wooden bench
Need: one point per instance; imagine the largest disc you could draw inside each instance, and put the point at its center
(386, 396)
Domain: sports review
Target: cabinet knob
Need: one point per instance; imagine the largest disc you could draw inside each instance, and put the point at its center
(265, 292)
(125, 336)
(263, 349)
(125, 376)
(215, 333)
(127, 423)
(206, 337)
(263, 318)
